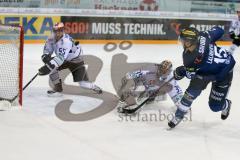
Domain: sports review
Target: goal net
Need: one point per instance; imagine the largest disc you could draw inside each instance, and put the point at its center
(11, 64)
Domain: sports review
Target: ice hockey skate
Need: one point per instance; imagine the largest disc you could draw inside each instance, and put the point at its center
(52, 93)
(179, 115)
(174, 122)
(97, 90)
(226, 111)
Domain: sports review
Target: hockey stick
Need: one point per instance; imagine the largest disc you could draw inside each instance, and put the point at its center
(35, 76)
(131, 111)
(14, 98)
(30, 81)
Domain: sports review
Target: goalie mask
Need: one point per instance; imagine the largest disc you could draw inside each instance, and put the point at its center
(165, 68)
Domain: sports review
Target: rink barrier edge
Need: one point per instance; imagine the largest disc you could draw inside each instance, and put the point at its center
(118, 41)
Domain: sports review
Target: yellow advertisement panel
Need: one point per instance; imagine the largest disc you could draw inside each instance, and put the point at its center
(35, 27)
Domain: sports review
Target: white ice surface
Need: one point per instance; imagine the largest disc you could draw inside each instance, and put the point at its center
(35, 133)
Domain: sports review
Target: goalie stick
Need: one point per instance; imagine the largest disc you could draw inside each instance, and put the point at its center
(131, 111)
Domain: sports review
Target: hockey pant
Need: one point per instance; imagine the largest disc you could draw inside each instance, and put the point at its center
(78, 72)
(217, 97)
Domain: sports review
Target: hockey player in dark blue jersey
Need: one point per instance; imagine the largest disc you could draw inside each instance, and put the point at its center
(204, 62)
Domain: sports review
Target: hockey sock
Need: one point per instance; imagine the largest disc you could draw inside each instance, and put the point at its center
(87, 85)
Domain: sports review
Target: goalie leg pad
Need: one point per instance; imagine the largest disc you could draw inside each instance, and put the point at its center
(124, 96)
(128, 97)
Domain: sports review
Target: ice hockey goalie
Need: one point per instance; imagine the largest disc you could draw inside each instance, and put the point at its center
(150, 80)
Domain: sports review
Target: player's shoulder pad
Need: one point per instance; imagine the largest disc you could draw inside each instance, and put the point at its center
(204, 34)
(66, 37)
(215, 33)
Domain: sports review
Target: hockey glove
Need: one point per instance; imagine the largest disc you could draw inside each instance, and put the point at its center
(76, 43)
(179, 73)
(232, 35)
(46, 69)
(46, 58)
(236, 42)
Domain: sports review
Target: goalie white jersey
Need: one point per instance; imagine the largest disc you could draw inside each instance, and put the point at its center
(64, 49)
(151, 81)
